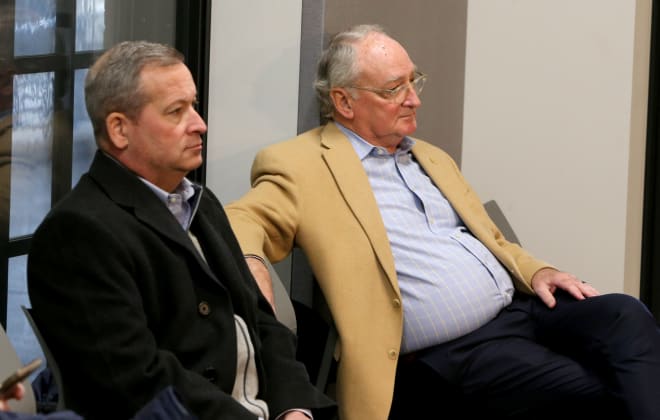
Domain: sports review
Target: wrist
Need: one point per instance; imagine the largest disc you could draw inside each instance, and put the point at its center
(256, 257)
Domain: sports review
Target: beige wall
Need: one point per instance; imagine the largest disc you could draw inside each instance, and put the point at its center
(253, 89)
(554, 127)
(543, 102)
(253, 86)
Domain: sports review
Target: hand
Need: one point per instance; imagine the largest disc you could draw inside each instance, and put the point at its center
(547, 280)
(262, 276)
(17, 392)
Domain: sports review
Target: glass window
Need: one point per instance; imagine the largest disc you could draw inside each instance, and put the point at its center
(90, 24)
(35, 27)
(31, 165)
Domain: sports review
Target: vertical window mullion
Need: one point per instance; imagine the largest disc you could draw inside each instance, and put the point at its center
(6, 61)
(63, 102)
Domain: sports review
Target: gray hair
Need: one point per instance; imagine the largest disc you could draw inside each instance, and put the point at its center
(113, 82)
(338, 64)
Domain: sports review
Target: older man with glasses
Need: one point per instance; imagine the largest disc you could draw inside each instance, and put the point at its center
(439, 316)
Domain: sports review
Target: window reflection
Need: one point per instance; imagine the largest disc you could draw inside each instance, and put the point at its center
(31, 152)
(84, 145)
(35, 27)
(90, 24)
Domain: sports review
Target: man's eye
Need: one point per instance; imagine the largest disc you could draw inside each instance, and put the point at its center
(395, 90)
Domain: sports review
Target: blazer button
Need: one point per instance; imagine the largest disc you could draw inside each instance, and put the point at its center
(392, 354)
(211, 374)
(396, 303)
(204, 308)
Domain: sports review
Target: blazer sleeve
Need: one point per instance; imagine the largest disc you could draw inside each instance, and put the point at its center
(265, 219)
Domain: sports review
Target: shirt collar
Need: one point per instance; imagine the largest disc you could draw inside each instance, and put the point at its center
(363, 148)
(186, 189)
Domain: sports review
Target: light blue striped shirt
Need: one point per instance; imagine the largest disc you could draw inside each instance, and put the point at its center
(450, 283)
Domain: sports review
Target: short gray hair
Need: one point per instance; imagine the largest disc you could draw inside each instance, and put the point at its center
(337, 65)
(113, 82)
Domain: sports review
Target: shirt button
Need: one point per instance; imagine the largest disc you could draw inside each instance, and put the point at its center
(396, 303)
(204, 308)
(392, 354)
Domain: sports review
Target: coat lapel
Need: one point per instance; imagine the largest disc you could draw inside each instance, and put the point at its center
(352, 181)
(126, 189)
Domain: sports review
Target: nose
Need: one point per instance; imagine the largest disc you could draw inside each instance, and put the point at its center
(412, 98)
(197, 123)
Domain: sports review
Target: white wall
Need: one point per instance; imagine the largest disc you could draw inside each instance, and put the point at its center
(253, 86)
(554, 117)
(253, 89)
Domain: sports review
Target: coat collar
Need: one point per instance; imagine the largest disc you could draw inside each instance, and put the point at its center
(129, 192)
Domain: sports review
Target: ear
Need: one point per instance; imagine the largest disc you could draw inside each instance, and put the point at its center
(117, 125)
(343, 102)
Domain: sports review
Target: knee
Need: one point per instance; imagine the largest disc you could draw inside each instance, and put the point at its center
(628, 313)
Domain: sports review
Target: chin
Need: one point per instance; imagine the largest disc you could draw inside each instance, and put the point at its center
(194, 164)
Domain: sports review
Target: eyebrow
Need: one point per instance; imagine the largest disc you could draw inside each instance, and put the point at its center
(396, 79)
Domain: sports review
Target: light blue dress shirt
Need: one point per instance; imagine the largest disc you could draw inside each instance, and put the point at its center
(450, 283)
(178, 202)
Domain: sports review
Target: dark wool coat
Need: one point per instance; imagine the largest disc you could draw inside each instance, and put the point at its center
(128, 306)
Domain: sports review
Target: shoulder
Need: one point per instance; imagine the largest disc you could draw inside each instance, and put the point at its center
(430, 149)
(307, 141)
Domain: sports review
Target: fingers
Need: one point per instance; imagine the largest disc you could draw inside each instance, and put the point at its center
(545, 282)
(546, 296)
(577, 288)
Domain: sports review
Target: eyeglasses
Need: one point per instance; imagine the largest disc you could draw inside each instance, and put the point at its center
(400, 93)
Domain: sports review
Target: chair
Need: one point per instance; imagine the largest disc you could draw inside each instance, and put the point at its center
(497, 215)
(9, 362)
(285, 312)
(288, 312)
(317, 335)
(50, 360)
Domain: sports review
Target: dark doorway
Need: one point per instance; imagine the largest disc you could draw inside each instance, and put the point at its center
(650, 272)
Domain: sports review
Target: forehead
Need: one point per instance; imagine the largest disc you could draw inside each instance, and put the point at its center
(168, 83)
(382, 58)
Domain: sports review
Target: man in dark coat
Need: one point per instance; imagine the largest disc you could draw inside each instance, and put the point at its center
(135, 278)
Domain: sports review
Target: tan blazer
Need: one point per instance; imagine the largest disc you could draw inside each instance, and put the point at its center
(312, 192)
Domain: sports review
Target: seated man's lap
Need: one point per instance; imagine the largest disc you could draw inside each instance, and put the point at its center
(502, 369)
(421, 393)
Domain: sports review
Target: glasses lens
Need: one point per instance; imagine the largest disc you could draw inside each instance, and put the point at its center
(404, 90)
(418, 83)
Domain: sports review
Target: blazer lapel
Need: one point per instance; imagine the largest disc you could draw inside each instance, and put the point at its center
(126, 189)
(441, 175)
(444, 176)
(353, 183)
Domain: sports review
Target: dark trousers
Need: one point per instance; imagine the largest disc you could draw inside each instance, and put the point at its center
(575, 361)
